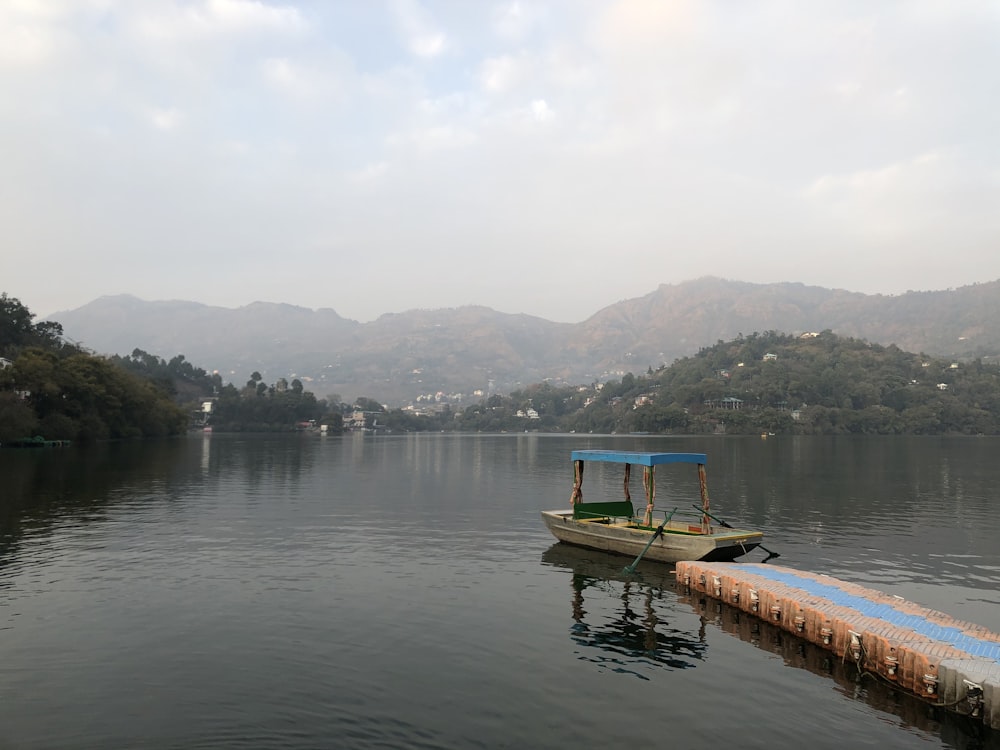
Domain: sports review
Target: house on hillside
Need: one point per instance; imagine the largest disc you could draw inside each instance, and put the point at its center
(729, 402)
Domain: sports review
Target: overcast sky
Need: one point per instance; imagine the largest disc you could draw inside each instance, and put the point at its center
(542, 157)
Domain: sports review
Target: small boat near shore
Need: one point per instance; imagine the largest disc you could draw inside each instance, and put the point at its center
(661, 534)
(37, 442)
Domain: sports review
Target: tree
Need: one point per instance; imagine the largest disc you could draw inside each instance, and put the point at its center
(85, 397)
(15, 323)
(18, 331)
(17, 419)
(367, 404)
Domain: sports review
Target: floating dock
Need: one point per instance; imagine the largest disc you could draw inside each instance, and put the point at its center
(947, 662)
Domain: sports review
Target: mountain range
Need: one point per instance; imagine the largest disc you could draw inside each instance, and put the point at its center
(400, 356)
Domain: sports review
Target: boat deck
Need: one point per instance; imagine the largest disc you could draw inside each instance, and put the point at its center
(950, 663)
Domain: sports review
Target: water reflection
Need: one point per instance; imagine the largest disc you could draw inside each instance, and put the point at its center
(43, 487)
(634, 629)
(638, 632)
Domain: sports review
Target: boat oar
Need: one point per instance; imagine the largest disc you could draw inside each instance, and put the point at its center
(630, 569)
(770, 554)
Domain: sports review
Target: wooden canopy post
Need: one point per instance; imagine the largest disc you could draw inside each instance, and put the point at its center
(703, 485)
(649, 484)
(577, 496)
(628, 476)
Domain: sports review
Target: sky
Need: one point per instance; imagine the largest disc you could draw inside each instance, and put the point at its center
(549, 157)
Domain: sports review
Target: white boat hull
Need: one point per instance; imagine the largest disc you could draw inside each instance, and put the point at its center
(626, 539)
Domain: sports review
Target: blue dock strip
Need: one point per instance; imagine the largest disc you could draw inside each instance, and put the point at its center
(920, 625)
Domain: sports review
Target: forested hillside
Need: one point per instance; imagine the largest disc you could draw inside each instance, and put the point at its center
(771, 382)
(59, 391)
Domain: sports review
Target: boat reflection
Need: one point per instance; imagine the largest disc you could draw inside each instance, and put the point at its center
(631, 632)
(626, 619)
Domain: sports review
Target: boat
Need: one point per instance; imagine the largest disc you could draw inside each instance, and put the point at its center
(37, 442)
(660, 534)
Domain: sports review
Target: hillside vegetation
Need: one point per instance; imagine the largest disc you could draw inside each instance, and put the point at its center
(771, 382)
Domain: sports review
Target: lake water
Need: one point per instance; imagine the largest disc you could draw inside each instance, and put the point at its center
(401, 591)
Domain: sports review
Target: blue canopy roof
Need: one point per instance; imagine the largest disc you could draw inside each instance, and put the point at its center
(643, 459)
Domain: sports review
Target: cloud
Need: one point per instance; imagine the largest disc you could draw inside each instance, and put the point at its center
(211, 18)
(422, 37)
(923, 222)
(165, 119)
(22, 44)
(36, 32)
(370, 173)
(243, 15)
(637, 27)
(498, 74)
(516, 20)
(281, 72)
(432, 138)
(541, 111)
(289, 77)
(547, 136)
(905, 199)
(320, 80)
